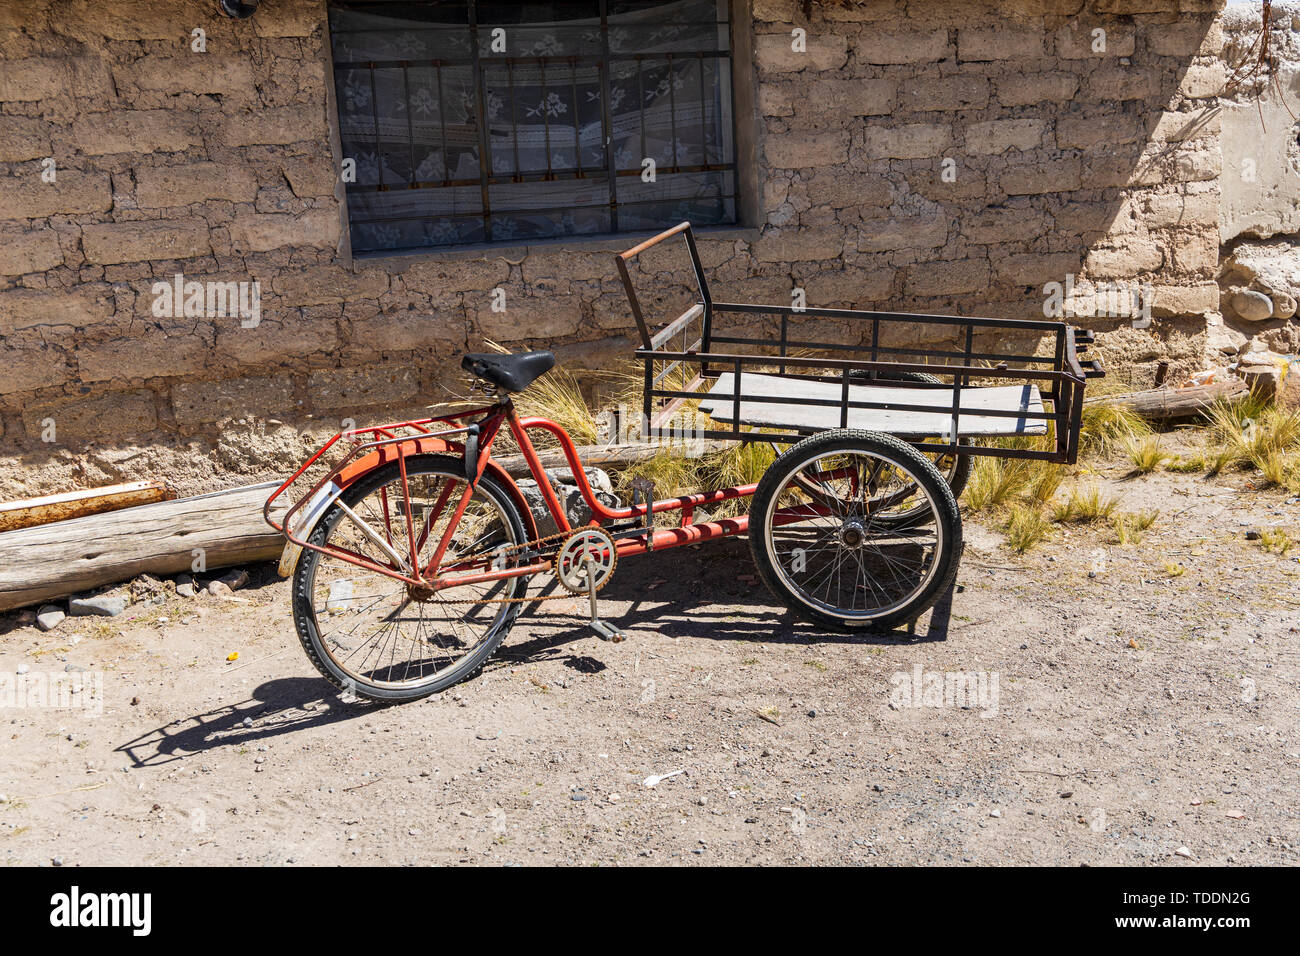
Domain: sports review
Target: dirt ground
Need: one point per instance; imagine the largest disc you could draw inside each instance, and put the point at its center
(1136, 714)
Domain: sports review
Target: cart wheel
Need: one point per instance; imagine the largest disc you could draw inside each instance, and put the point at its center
(840, 557)
(378, 637)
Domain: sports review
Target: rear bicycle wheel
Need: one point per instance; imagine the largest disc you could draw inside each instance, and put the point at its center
(839, 557)
(379, 637)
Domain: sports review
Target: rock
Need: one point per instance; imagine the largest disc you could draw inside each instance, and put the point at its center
(1183, 852)
(235, 579)
(1284, 305)
(49, 617)
(219, 589)
(1223, 339)
(1252, 306)
(575, 506)
(596, 477)
(185, 586)
(1264, 379)
(103, 606)
(147, 587)
(570, 498)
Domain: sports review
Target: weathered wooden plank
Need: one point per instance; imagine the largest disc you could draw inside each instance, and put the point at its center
(1163, 404)
(28, 512)
(67, 557)
(720, 405)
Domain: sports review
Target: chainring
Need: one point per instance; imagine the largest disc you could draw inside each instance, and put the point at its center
(571, 561)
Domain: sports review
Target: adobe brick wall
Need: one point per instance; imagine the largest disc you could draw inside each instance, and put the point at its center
(220, 165)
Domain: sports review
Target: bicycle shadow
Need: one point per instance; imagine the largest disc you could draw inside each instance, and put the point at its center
(287, 705)
(275, 708)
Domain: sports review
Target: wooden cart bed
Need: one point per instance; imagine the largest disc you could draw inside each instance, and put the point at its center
(719, 404)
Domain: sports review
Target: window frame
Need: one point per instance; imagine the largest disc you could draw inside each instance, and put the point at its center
(742, 131)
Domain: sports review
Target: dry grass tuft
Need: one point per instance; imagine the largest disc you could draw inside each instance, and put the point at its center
(1131, 526)
(1276, 541)
(1251, 433)
(1045, 482)
(1084, 506)
(1026, 527)
(1107, 429)
(1146, 454)
(995, 483)
(1185, 466)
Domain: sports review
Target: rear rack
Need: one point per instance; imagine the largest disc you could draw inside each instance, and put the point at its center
(684, 358)
(362, 441)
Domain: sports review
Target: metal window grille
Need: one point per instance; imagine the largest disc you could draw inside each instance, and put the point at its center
(473, 122)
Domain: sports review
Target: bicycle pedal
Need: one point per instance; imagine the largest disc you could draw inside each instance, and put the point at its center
(608, 632)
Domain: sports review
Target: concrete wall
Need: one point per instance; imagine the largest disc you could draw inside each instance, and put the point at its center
(1063, 159)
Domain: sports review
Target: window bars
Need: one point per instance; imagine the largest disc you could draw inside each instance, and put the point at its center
(473, 122)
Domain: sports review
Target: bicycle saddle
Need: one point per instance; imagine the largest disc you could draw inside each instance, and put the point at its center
(514, 373)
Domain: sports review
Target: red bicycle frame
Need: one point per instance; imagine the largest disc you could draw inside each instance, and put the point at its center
(387, 443)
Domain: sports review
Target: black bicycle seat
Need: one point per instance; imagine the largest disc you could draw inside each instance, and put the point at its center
(514, 373)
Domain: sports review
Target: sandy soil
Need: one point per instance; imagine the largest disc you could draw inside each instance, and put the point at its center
(1137, 713)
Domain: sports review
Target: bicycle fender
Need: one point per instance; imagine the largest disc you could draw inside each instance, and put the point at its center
(304, 524)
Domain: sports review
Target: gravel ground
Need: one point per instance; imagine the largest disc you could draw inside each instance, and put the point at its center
(1128, 716)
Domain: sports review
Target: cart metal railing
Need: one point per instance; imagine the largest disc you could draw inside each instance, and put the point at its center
(684, 360)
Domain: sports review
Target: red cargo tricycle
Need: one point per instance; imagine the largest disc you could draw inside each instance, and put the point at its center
(413, 555)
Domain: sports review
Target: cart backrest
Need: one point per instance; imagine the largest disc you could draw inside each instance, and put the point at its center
(683, 234)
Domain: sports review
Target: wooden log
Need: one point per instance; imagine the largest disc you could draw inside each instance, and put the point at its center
(67, 557)
(29, 512)
(1163, 404)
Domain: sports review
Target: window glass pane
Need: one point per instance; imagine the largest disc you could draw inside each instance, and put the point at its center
(544, 117)
(646, 26)
(539, 29)
(703, 198)
(399, 31)
(489, 122)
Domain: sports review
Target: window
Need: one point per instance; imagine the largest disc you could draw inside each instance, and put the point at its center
(473, 122)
